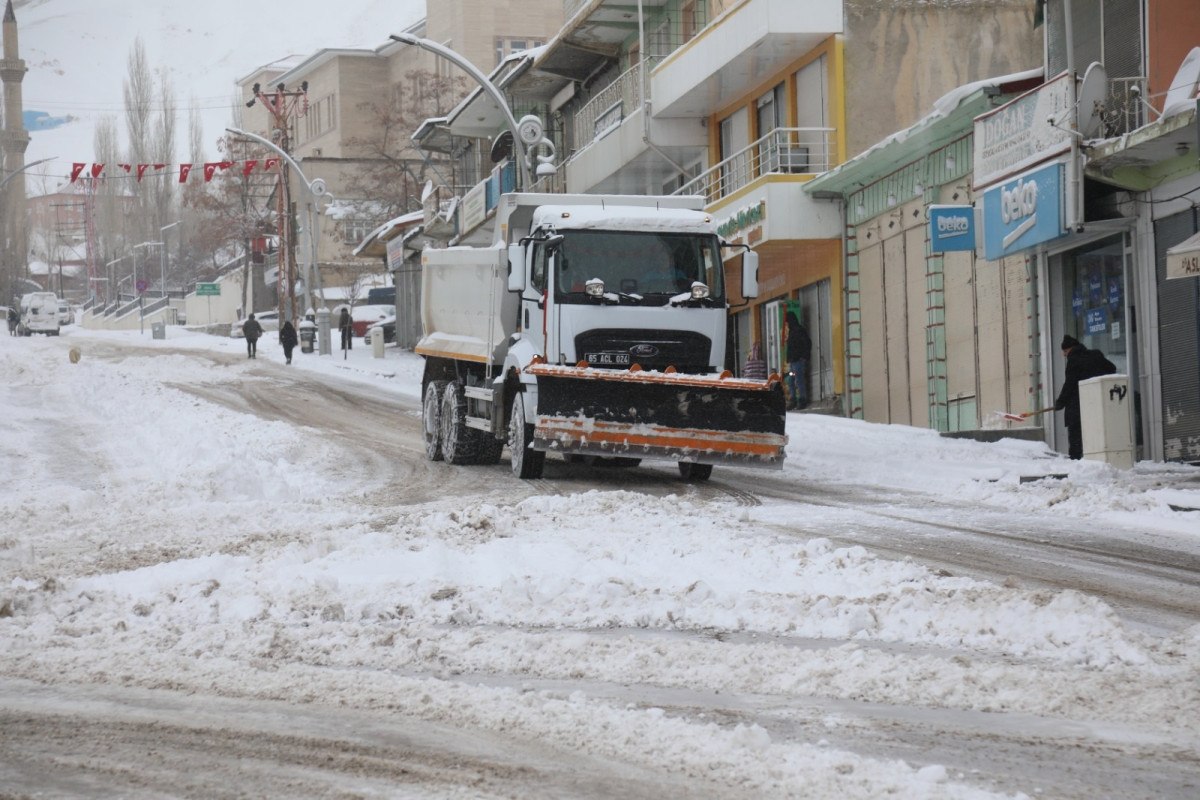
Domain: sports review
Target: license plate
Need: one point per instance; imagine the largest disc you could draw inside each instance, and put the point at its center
(621, 359)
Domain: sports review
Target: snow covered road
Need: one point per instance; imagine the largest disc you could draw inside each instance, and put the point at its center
(249, 570)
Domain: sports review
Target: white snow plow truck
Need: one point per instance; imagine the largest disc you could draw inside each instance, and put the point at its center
(595, 326)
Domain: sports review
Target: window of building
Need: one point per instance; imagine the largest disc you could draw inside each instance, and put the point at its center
(687, 20)
(506, 46)
(355, 230)
(321, 117)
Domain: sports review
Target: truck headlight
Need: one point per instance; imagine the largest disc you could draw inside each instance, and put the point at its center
(594, 288)
(699, 291)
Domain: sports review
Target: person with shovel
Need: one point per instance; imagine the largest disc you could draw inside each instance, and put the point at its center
(1082, 364)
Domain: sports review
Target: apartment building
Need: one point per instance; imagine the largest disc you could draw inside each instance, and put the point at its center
(351, 128)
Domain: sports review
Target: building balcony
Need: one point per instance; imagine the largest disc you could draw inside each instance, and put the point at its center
(783, 151)
(737, 51)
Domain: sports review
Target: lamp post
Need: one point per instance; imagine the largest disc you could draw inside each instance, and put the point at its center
(108, 276)
(139, 289)
(163, 280)
(525, 132)
(317, 190)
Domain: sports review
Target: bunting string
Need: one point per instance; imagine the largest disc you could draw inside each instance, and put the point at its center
(208, 169)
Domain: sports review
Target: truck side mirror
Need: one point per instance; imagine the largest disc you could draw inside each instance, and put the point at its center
(749, 274)
(516, 268)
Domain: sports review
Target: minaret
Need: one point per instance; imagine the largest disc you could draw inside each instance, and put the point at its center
(15, 139)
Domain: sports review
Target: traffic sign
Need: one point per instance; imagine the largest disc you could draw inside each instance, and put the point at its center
(208, 290)
(141, 286)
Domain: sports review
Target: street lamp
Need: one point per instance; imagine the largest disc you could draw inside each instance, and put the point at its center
(18, 171)
(317, 190)
(527, 132)
(109, 275)
(139, 289)
(163, 281)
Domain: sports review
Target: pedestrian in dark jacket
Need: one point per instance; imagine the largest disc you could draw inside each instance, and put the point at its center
(13, 319)
(1082, 364)
(346, 326)
(252, 330)
(798, 347)
(288, 338)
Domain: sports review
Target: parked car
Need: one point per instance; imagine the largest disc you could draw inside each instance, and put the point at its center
(387, 325)
(39, 314)
(363, 317)
(269, 320)
(65, 315)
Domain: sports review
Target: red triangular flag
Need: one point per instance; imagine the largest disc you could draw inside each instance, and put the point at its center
(141, 170)
(97, 169)
(124, 167)
(270, 163)
(76, 168)
(184, 169)
(160, 166)
(249, 165)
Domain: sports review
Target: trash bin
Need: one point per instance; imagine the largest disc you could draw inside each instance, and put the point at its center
(158, 330)
(308, 335)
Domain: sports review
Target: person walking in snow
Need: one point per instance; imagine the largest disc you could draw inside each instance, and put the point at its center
(288, 338)
(13, 319)
(346, 326)
(252, 331)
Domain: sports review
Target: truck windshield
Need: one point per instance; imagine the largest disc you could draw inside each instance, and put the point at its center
(653, 265)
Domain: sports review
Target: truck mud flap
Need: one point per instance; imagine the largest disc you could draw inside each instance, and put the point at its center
(660, 415)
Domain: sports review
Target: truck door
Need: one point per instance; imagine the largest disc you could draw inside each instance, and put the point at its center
(536, 298)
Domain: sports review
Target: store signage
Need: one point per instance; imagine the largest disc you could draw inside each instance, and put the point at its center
(1097, 320)
(1023, 212)
(743, 220)
(473, 209)
(395, 253)
(1183, 260)
(1032, 128)
(951, 228)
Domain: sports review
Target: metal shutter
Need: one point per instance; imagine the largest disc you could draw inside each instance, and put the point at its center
(1179, 343)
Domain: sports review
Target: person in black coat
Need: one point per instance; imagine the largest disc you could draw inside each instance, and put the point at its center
(1082, 364)
(346, 326)
(288, 338)
(252, 330)
(799, 344)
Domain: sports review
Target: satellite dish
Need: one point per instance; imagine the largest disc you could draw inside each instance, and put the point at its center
(1093, 92)
(502, 147)
(428, 190)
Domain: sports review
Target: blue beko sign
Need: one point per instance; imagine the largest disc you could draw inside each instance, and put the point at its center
(951, 228)
(1025, 211)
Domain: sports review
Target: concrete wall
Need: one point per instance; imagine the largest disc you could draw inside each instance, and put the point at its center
(902, 55)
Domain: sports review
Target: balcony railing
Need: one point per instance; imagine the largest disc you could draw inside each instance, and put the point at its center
(608, 108)
(783, 151)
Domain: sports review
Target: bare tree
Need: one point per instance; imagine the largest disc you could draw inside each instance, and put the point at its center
(139, 93)
(163, 152)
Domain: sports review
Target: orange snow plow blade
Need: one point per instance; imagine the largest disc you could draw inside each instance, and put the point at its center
(633, 413)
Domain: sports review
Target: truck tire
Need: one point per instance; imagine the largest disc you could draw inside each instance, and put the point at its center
(527, 463)
(490, 449)
(460, 444)
(692, 472)
(431, 419)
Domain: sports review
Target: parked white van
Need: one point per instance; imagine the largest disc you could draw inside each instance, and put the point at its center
(39, 314)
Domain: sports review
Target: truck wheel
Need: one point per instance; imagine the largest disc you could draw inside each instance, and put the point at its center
(460, 444)
(527, 463)
(490, 449)
(431, 420)
(692, 472)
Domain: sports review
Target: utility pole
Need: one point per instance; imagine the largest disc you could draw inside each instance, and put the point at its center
(284, 106)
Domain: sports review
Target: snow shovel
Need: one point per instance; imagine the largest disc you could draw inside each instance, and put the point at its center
(1022, 417)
